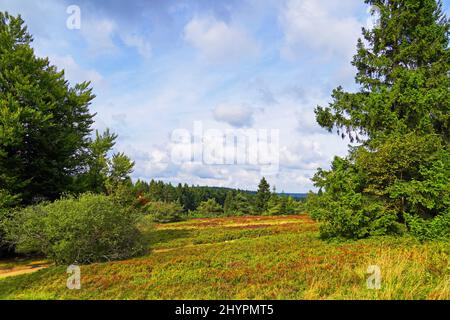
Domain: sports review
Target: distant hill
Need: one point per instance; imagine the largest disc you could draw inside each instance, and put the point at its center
(295, 195)
(290, 194)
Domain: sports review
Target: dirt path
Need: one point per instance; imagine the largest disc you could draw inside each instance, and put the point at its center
(16, 270)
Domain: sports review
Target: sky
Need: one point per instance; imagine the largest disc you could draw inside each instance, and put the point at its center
(164, 67)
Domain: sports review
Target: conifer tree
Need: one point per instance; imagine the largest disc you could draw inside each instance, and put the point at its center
(262, 196)
(398, 175)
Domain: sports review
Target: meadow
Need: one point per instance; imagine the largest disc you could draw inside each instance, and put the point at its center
(256, 257)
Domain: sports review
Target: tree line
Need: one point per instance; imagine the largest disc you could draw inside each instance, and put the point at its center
(201, 201)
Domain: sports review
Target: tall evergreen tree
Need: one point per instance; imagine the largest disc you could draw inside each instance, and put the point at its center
(44, 122)
(403, 70)
(401, 118)
(262, 196)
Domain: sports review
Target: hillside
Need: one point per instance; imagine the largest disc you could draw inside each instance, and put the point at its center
(250, 258)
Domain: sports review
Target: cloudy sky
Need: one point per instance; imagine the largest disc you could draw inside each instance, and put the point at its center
(162, 65)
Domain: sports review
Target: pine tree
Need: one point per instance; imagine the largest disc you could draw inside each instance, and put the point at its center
(98, 163)
(405, 58)
(210, 207)
(262, 196)
(120, 169)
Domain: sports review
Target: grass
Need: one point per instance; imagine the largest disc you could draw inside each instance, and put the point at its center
(251, 258)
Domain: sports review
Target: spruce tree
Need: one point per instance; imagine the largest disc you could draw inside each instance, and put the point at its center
(403, 67)
(398, 174)
(262, 196)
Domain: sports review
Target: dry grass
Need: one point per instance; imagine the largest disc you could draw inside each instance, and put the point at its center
(252, 258)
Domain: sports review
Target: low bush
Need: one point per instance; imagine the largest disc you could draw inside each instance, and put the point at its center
(164, 212)
(7, 201)
(209, 208)
(86, 229)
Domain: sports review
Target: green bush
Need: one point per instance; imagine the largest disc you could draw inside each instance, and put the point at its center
(164, 212)
(437, 228)
(209, 208)
(7, 201)
(77, 230)
(345, 210)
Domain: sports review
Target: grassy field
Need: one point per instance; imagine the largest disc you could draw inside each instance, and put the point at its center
(250, 258)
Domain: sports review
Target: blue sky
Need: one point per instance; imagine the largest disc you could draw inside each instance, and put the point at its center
(157, 66)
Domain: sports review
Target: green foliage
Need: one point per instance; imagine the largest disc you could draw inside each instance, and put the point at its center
(228, 203)
(45, 127)
(233, 202)
(437, 228)
(120, 168)
(243, 205)
(410, 172)
(7, 201)
(283, 205)
(44, 123)
(343, 209)
(276, 206)
(95, 177)
(210, 208)
(76, 230)
(164, 212)
(403, 73)
(398, 177)
(262, 196)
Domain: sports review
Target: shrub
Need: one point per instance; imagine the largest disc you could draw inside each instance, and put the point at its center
(283, 205)
(7, 201)
(345, 210)
(210, 208)
(437, 228)
(77, 230)
(164, 212)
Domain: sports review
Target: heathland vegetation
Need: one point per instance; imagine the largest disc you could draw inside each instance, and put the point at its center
(66, 197)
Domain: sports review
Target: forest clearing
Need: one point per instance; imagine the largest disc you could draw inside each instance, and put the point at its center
(251, 258)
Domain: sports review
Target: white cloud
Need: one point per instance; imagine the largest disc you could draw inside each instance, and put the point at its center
(218, 40)
(143, 47)
(153, 162)
(307, 123)
(319, 25)
(202, 171)
(303, 154)
(235, 115)
(74, 72)
(98, 34)
(144, 102)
